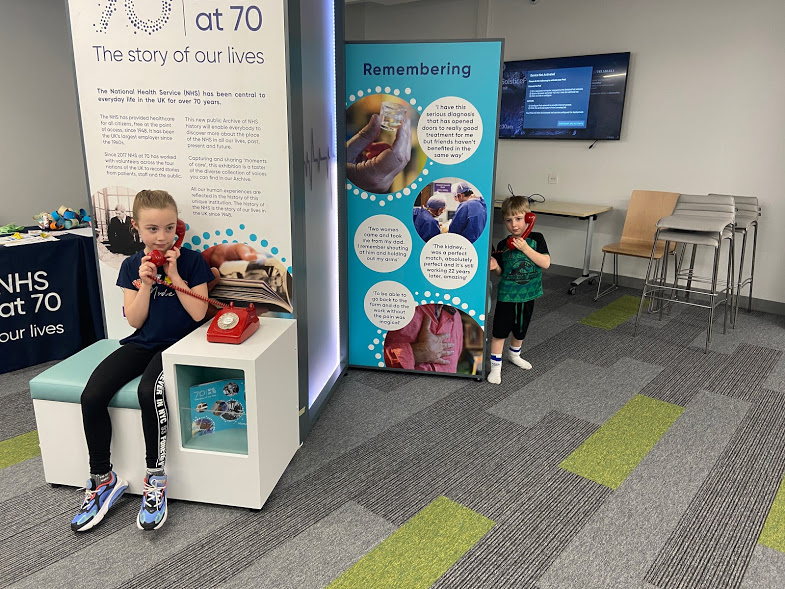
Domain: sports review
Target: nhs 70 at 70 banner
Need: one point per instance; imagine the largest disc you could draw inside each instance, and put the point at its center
(189, 97)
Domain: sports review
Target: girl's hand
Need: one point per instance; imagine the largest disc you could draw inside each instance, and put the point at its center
(170, 266)
(147, 271)
(494, 264)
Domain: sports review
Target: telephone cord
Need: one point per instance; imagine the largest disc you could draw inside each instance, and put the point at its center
(218, 304)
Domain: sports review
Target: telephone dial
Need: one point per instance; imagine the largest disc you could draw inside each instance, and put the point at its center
(232, 325)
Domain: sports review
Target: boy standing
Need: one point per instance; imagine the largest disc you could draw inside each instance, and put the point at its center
(520, 268)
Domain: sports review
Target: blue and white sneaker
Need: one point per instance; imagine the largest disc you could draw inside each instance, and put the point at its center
(152, 515)
(97, 501)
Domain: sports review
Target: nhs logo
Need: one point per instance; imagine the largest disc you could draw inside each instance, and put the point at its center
(142, 25)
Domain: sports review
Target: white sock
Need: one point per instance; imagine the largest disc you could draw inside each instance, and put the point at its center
(495, 375)
(514, 356)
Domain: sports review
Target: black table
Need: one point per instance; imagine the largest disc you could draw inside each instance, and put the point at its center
(50, 302)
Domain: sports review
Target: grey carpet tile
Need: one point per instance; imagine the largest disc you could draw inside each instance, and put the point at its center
(520, 548)
(766, 569)
(37, 547)
(588, 392)
(618, 545)
(15, 479)
(762, 329)
(358, 412)
(561, 346)
(776, 378)
(497, 488)
(19, 380)
(391, 380)
(404, 492)
(319, 554)
(17, 416)
(546, 325)
(713, 543)
(118, 557)
(37, 505)
(743, 374)
(681, 381)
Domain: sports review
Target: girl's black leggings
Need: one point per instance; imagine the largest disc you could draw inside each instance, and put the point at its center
(117, 369)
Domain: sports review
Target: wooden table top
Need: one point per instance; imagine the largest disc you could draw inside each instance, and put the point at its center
(563, 208)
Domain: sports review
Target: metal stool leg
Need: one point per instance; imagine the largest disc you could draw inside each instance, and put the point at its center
(713, 292)
(740, 280)
(729, 279)
(689, 275)
(664, 279)
(752, 266)
(645, 283)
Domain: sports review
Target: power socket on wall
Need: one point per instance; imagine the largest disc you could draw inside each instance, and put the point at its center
(553, 178)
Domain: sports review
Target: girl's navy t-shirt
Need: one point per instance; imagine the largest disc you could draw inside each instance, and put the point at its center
(167, 320)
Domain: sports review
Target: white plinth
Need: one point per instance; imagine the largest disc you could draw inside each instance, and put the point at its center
(230, 474)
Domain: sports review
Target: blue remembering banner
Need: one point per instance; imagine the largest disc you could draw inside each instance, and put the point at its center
(421, 131)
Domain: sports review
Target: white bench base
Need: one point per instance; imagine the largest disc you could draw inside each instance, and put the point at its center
(64, 449)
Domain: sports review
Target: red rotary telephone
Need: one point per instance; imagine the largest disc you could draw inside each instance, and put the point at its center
(232, 325)
(530, 218)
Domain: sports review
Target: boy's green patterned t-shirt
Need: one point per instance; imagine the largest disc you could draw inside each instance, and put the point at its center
(521, 279)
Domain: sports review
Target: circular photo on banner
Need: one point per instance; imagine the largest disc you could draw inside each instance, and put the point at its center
(234, 410)
(438, 338)
(383, 153)
(231, 389)
(219, 408)
(435, 209)
(202, 426)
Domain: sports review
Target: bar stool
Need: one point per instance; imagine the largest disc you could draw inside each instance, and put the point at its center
(696, 220)
(747, 214)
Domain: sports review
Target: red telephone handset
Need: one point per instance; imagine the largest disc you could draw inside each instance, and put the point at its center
(530, 218)
(232, 325)
(157, 257)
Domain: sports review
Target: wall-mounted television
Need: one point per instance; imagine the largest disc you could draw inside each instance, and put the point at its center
(578, 97)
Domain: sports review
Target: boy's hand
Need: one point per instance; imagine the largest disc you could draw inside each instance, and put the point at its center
(494, 264)
(521, 245)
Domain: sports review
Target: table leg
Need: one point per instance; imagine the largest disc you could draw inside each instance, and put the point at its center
(587, 275)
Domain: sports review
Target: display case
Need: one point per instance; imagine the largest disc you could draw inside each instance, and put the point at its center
(227, 446)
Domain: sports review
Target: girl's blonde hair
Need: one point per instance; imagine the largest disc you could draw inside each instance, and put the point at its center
(152, 199)
(515, 205)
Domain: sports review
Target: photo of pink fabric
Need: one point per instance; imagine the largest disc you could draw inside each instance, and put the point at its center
(444, 320)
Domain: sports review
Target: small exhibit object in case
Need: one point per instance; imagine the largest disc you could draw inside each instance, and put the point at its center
(218, 406)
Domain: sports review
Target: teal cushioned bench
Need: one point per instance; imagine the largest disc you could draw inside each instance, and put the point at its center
(65, 381)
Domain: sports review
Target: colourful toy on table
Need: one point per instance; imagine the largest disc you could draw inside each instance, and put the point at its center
(11, 228)
(63, 218)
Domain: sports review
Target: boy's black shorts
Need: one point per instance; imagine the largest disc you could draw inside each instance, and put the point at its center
(512, 317)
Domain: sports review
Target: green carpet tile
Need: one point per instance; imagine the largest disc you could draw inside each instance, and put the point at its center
(615, 449)
(613, 314)
(773, 533)
(19, 448)
(420, 551)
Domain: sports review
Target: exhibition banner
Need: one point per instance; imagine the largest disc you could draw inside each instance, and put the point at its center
(191, 98)
(421, 131)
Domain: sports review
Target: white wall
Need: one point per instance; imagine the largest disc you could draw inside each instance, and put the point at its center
(421, 21)
(40, 146)
(354, 17)
(704, 109)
